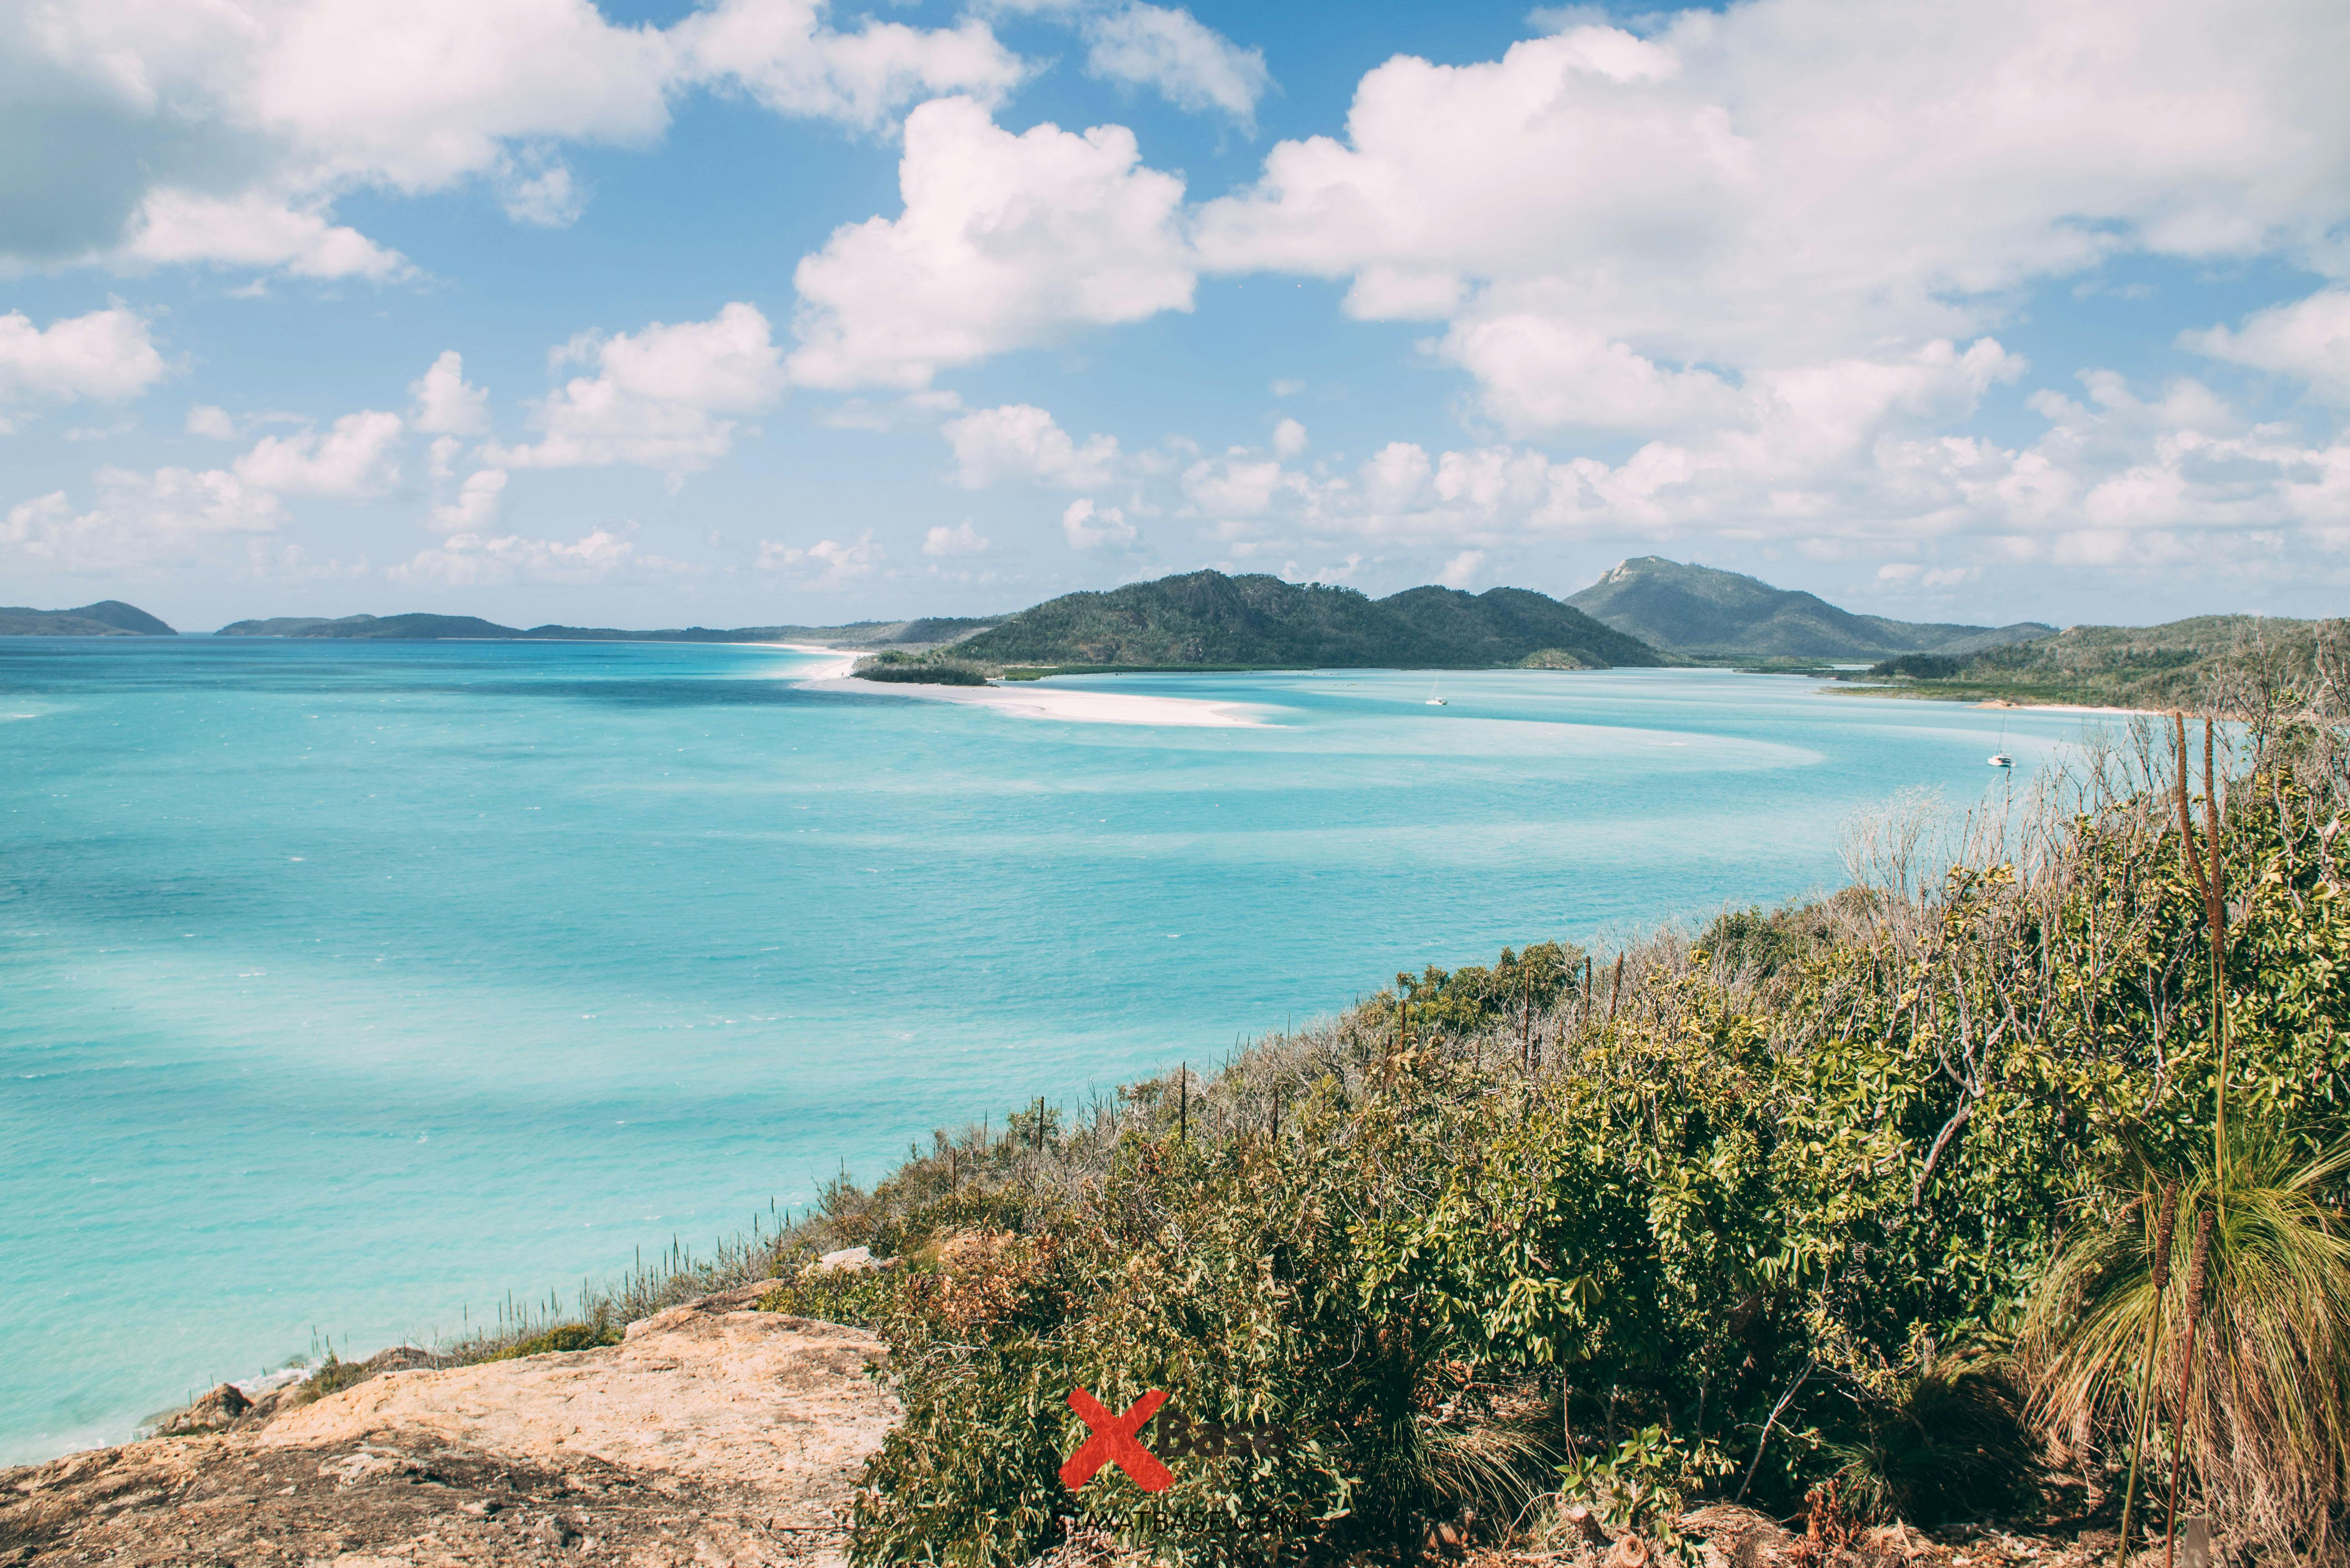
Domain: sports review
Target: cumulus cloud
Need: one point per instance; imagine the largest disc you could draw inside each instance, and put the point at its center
(1288, 439)
(2119, 476)
(225, 134)
(474, 560)
(172, 516)
(1022, 441)
(211, 421)
(2309, 339)
(1189, 64)
(1006, 241)
(1088, 528)
(1462, 569)
(476, 507)
(963, 539)
(106, 356)
(1620, 229)
(445, 403)
(827, 564)
(357, 457)
(660, 399)
(537, 187)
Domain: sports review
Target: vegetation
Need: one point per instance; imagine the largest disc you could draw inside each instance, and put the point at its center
(1703, 613)
(1208, 619)
(2011, 1172)
(927, 669)
(107, 618)
(2223, 663)
(925, 632)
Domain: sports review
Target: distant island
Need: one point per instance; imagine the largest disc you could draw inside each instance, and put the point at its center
(1206, 619)
(107, 618)
(1703, 613)
(1644, 612)
(924, 632)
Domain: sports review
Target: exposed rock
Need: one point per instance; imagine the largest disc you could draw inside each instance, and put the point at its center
(849, 1261)
(216, 1412)
(714, 1435)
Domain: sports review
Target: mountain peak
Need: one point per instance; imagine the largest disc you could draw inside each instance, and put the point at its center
(1688, 608)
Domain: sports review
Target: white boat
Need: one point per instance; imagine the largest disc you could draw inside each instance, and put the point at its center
(2002, 760)
(1433, 700)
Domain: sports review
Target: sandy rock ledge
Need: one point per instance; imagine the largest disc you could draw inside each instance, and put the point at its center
(713, 1435)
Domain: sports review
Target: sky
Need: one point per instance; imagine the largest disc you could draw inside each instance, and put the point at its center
(762, 311)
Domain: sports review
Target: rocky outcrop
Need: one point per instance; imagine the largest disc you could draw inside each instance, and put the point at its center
(711, 1435)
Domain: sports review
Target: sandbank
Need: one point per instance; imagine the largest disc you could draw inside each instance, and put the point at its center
(1033, 699)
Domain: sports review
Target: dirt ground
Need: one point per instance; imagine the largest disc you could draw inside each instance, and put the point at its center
(713, 1436)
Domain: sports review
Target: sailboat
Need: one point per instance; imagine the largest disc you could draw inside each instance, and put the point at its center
(1433, 700)
(2000, 759)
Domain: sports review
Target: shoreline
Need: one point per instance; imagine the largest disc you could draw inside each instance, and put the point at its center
(1033, 700)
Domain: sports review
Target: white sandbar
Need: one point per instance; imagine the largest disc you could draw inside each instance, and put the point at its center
(1033, 700)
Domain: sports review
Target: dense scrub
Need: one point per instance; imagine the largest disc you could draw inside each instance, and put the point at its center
(1735, 1215)
(1738, 1215)
(2245, 665)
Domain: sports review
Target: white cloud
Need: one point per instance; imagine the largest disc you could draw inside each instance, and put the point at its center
(1238, 484)
(1622, 231)
(660, 399)
(1021, 442)
(1462, 569)
(106, 356)
(1191, 66)
(1286, 387)
(254, 229)
(1086, 527)
(226, 133)
(476, 507)
(172, 516)
(211, 421)
(781, 54)
(473, 560)
(963, 539)
(1005, 241)
(445, 403)
(2309, 338)
(359, 457)
(537, 188)
(1288, 439)
(827, 564)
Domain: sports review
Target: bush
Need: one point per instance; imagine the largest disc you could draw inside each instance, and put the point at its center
(1920, 666)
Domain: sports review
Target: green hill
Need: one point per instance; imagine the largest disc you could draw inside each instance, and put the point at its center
(2221, 660)
(107, 618)
(927, 631)
(1701, 611)
(1208, 618)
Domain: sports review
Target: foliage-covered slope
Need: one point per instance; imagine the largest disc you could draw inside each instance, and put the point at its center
(1207, 617)
(2226, 659)
(419, 628)
(1700, 610)
(107, 618)
(1743, 1216)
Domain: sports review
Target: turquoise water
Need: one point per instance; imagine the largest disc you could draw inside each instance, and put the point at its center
(345, 987)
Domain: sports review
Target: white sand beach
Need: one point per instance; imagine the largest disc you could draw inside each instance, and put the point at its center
(1034, 699)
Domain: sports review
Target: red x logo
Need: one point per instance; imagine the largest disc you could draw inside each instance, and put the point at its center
(1113, 1443)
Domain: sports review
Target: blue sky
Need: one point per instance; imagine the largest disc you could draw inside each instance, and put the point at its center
(758, 312)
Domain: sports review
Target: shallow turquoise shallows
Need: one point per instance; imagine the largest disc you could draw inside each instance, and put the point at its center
(345, 987)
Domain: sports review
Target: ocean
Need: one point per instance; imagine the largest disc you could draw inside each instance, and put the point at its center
(345, 987)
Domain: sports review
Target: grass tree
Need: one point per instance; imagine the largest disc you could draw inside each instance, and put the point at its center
(2240, 1366)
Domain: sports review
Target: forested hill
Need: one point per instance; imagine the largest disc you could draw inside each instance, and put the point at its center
(107, 618)
(2229, 663)
(419, 628)
(1700, 610)
(1208, 618)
